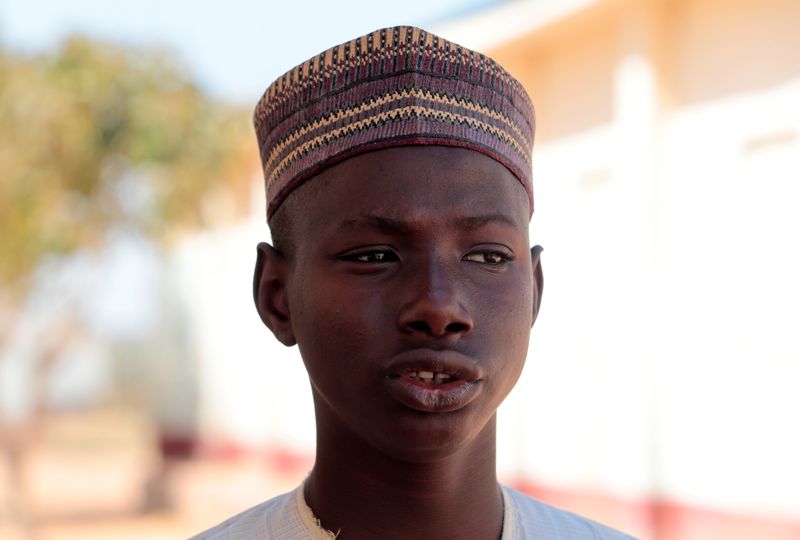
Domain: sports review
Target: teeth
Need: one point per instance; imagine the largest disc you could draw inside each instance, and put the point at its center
(430, 377)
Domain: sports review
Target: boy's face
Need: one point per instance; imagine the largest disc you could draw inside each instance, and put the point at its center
(411, 293)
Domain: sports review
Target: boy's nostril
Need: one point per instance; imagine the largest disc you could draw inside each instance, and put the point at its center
(419, 326)
(456, 328)
(424, 327)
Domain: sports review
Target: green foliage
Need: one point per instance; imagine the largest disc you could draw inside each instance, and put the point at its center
(95, 134)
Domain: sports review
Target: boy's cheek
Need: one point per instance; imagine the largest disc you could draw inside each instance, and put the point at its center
(333, 322)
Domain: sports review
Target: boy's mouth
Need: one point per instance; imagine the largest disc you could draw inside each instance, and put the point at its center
(433, 381)
(434, 367)
(429, 377)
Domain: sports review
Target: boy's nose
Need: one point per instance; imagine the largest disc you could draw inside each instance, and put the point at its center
(435, 307)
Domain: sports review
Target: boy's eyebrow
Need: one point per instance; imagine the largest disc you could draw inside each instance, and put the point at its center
(379, 222)
(391, 225)
(475, 222)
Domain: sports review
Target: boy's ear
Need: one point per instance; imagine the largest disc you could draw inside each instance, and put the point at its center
(270, 294)
(538, 280)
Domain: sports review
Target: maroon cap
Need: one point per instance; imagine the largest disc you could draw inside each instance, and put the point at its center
(394, 87)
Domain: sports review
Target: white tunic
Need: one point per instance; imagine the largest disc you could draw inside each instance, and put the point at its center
(288, 517)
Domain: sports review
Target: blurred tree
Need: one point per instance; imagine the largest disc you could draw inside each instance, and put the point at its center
(95, 134)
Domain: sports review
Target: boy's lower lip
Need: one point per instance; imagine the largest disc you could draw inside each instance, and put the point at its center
(428, 397)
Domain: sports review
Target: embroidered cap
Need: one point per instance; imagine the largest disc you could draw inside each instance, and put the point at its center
(397, 86)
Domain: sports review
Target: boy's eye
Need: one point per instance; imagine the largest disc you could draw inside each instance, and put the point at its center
(372, 256)
(492, 258)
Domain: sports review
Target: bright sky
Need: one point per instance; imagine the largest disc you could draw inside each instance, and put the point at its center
(234, 48)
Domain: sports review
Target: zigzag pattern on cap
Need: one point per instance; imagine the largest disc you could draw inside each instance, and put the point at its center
(396, 86)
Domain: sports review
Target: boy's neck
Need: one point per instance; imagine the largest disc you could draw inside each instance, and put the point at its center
(361, 492)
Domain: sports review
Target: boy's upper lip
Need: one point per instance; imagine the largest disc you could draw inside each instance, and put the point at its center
(447, 361)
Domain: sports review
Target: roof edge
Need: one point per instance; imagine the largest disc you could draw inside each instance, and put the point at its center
(493, 27)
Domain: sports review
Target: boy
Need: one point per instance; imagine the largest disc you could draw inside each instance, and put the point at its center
(397, 170)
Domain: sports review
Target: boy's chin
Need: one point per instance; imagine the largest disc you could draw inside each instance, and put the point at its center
(405, 435)
(437, 441)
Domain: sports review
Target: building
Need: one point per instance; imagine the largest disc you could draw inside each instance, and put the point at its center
(662, 371)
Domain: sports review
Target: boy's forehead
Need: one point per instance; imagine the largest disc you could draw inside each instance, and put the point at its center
(400, 189)
(395, 87)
